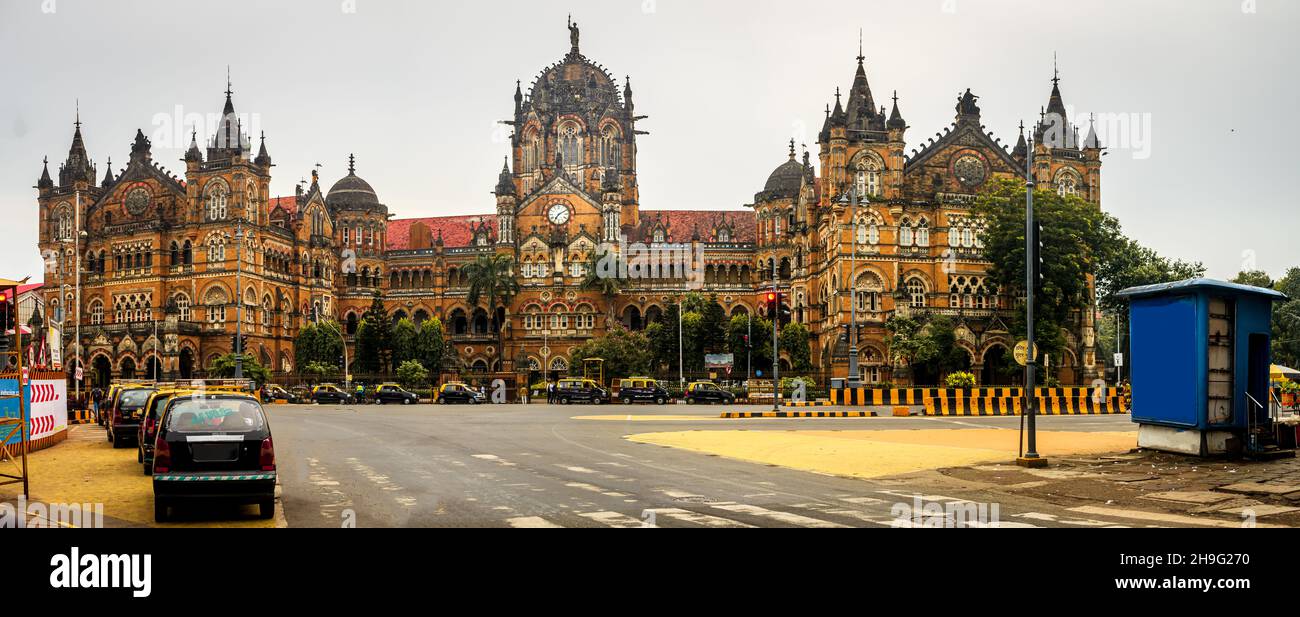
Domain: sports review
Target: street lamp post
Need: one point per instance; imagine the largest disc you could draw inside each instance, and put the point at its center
(76, 257)
(239, 300)
(776, 343)
(347, 375)
(1031, 458)
(853, 291)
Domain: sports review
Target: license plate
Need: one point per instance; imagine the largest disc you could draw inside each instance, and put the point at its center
(215, 452)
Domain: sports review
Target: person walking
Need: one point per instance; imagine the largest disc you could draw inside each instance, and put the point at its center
(550, 392)
(96, 395)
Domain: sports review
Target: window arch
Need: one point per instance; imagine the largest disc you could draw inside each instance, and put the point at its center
(215, 300)
(532, 151)
(923, 232)
(217, 195)
(63, 222)
(317, 222)
(867, 175)
(216, 249)
(868, 230)
(570, 137)
(1067, 182)
(182, 305)
(905, 237)
(610, 148)
(915, 289)
(868, 291)
(96, 312)
(251, 203)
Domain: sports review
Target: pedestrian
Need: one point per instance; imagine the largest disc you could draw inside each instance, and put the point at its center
(550, 392)
(95, 396)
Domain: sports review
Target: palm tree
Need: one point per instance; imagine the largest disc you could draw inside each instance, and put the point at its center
(491, 278)
(608, 286)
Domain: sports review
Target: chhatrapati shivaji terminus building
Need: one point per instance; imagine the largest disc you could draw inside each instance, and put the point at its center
(158, 260)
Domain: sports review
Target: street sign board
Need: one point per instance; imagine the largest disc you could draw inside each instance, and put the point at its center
(1021, 352)
(1119, 359)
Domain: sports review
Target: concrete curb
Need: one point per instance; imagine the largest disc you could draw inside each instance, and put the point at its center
(738, 415)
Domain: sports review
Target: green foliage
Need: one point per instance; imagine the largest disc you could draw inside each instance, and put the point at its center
(761, 340)
(405, 342)
(960, 379)
(794, 342)
(492, 282)
(626, 354)
(374, 340)
(948, 357)
(319, 371)
(411, 374)
(1255, 278)
(1286, 320)
(224, 367)
(318, 344)
(431, 348)
(907, 342)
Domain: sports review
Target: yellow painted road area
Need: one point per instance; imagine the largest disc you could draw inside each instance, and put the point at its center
(646, 418)
(86, 469)
(873, 454)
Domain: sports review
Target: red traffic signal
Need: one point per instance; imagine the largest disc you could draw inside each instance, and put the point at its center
(771, 296)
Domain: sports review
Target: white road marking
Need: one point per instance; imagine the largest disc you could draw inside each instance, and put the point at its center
(494, 458)
(698, 519)
(532, 522)
(1052, 518)
(614, 519)
(383, 482)
(335, 500)
(862, 501)
(595, 489)
(576, 469)
(783, 517)
(680, 494)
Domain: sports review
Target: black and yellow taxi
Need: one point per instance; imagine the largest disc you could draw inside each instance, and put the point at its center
(396, 394)
(642, 390)
(330, 393)
(707, 392)
(274, 393)
(153, 408)
(124, 418)
(457, 392)
(213, 446)
(579, 390)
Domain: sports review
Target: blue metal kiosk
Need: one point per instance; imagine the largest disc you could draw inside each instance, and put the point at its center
(1200, 360)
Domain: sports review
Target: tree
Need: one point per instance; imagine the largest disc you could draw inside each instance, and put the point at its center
(758, 354)
(405, 342)
(412, 374)
(430, 346)
(908, 344)
(224, 366)
(713, 327)
(1255, 278)
(794, 340)
(318, 343)
(626, 354)
(374, 346)
(319, 371)
(948, 356)
(492, 281)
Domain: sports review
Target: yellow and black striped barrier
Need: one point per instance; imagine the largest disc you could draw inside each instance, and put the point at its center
(918, 396)
(1075, 406)
(999, 406)
(808, 404)
(739, 415)
(80, 416)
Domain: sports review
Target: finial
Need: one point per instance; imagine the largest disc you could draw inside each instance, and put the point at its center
(837, 94)
(352, 164)
(860, 56)
(229, 91)
(1056, 71)
(792, 149)
(77, 123)
(895, 97)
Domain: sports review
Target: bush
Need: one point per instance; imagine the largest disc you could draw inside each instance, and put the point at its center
(960, 380)
(411, 373)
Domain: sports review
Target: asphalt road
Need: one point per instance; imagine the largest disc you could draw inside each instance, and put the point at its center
(537, 466)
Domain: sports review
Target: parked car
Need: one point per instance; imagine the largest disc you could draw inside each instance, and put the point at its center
(214, 446)
(707, 392)
(331, 394)
(580, 391)
(393, 393)
(274, 392)
(455, 392)
(642, 390)
(124, 422)
(149, 427)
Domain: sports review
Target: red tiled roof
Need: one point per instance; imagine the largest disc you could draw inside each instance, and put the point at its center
(22, 289)
(681, 224)
(456, 231)
(290, 204)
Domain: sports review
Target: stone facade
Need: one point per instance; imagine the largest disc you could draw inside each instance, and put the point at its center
(164, 275)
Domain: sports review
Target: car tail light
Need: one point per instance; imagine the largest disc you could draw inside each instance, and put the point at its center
(148, 426)
(267, 457)
(117, 413)
(162, 457)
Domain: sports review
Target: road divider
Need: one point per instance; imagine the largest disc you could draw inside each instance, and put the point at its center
(739, 415)
(917, 396)
(1001, 406)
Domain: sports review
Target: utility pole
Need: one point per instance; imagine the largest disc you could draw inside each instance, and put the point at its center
(749, 348)
(1031, 458)
(76, 250)
(853, 291)
(681, 370)
(239, 299)
(776, 343)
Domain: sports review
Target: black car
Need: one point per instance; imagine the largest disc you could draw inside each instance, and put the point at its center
(642, 390)
(214, 447)
(332, 395)
(124, 423)
(707, 392)
(460, 393)
(271, 394)
(390, 393)
(580, 391)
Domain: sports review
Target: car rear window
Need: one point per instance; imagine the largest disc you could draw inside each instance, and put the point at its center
(135, 398)
(220, 415)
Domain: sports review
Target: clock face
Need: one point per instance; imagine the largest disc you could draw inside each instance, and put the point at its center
(558, 214)
(137, 201)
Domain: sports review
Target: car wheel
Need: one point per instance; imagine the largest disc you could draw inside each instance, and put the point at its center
(564, 400)
(627, 400)
(660, 401)
(407, 401)
(266, 508)
(159, 510)
(148, 469)
(442, 400)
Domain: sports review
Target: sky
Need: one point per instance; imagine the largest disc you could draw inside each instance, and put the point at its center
(1196, 99)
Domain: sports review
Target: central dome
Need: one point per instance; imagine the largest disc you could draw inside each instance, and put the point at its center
(785, 180)
(351, 192)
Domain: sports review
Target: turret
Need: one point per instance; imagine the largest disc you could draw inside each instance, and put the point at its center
(506, 204)
(45, 183)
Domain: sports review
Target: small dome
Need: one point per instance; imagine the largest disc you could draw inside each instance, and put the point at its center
(351, 191)
(785, 180)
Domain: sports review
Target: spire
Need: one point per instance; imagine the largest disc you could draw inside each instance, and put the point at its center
(1022, 147)
(1092, 142)
(519, 99)
(193, 155)
(45, 182)
(826, 126)
(352, 164)
(792, 155)
(895, 118)
(505, 181)
(77, 166)
(229, 140)
(627, 90)
(230, 105)
(263, 158)
(108, 175)
(1055, 104)
(837, 116)
(862, 106)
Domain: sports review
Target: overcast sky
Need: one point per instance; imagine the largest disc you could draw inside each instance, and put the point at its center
(1200, 96)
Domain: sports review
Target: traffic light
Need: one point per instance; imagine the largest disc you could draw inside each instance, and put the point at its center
(773, 299)
(746, 337)
(6, 321)
(1036, 260)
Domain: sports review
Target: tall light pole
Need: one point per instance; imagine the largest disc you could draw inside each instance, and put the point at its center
(1031, 458)
(239, 299)
(76, 250)
(347, 375)
(681, 369)
(853, 290)
(776, 343)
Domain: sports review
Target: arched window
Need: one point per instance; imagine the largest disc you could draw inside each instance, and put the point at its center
(915, 289)
(923, 233)
(266, 312)
(905, 233)
(217, 196)
(317, 222)
(610, 150)
(868, 176)
(96, 312)
(251, 203)
(571, 147)
(63, 223)
(1067, 183)
(216, 250)
(868, 291)
(183, 306)
(532, 151)
(188, 253)
(215, 301)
